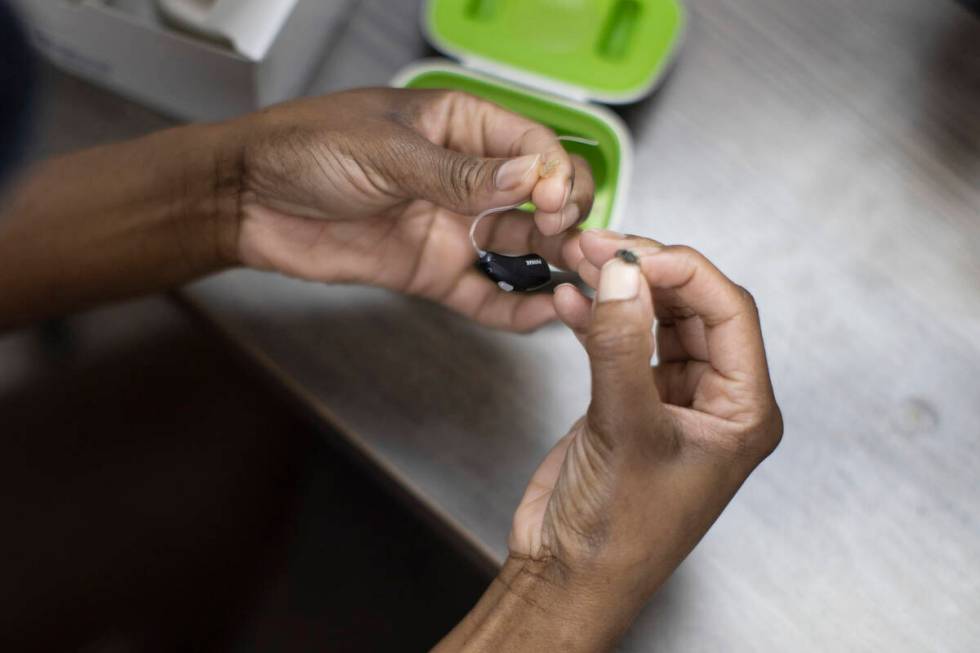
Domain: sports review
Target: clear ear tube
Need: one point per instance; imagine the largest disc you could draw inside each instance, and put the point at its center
(515, 273)
(502, 209)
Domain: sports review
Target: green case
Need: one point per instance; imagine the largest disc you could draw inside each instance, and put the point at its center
(610, 51)
(549, 60)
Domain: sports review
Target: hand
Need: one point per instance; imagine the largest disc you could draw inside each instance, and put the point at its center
(625, 496)
(379, 187)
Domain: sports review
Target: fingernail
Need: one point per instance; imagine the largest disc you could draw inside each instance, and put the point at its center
(513, 173)
(619, 281)
(551, 223)
(548, 168)
(568, 192)
(606, 233)
(570, 215)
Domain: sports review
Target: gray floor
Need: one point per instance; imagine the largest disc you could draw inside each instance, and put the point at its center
(155, 495)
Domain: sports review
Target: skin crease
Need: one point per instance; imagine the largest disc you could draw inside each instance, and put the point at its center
(379, 187)
(329, 196)
(622, 499)
(374, 186)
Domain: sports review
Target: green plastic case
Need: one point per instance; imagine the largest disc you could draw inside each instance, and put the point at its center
(548, 60)
(610, 51)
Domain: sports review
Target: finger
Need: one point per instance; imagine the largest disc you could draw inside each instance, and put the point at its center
(481, 300)
(514, 232)
(476, 127)
(460, 182)
(677, 383)
(588, 272)
(691, 290)
(556, 172)
(600, 245)
(583, 192)
(674, 346)
(579, 204)
(732, 335)
(619, 342)
(574, 309)
(680, 335)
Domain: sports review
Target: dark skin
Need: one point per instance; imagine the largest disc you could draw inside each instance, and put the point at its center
(370, 186)
(378, 187)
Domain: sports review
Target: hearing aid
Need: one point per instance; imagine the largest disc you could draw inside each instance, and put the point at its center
(510, 273)
(521, 273)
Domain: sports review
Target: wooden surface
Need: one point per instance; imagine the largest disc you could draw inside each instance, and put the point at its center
(824, 154)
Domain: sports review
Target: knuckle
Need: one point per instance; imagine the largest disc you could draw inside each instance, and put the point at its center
(450, 97)
(747, 298)
(455, 104)
(616, 340)
(461, 96)
(688, 252)
(463, 176)
(760, 437)
(691, 260)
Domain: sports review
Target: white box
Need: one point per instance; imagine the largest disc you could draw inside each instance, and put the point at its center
(125, 46)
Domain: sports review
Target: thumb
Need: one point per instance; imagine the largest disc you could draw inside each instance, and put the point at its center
(468, 184)
(620, 345)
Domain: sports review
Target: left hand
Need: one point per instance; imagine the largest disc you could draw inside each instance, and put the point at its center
(626, 495)
(379, 186)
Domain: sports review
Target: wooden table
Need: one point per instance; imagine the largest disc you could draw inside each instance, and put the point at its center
(824, 154)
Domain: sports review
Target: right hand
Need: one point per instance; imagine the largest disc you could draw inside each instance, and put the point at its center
(627, 494)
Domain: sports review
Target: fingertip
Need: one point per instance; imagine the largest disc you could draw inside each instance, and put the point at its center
(571, 250)
(551, 193)
(602, 235)
(588, 272)
(564, 293)
(572, 307)
(534, 312)
(571, 215)
(549, 224)
(619, 281)
(599, 245)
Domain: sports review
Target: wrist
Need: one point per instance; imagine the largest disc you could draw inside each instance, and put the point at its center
(219, 205)
(542, 606)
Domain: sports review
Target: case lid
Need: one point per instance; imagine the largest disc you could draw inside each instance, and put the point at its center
(613, 51)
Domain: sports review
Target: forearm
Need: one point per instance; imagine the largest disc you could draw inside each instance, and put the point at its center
(531, 606)
(118, 221)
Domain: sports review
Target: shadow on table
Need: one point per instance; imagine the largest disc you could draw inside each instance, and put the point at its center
(157, 498)
(472, 412)
(410, 375)
(950, 104)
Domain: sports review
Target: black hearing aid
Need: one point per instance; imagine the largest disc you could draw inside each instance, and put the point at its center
(520, 273)
(516, 273)
(510, 273)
